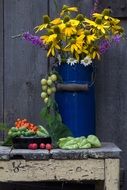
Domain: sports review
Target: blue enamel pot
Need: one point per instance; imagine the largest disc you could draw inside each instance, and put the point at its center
(77, 108)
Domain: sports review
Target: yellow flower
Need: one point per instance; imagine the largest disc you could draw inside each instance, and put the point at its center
(68, 9)
(91, 38)
(74, 22)
(75, 46)
(46, 22)
(69, 30)
(56, 21)
(50, 38)
(100, 26)
(41, 27)
(93, 53)
(52, 49)
(80, 32)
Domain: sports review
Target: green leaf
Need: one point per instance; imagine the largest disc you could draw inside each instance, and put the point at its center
(3, 127)
(8, 142)
(44, 112)
(53, 122)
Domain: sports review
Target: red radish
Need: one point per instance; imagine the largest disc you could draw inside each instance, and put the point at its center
(48, 147)
(32, 146)
(42, 146)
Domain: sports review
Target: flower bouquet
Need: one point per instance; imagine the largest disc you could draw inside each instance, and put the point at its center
(74, 42)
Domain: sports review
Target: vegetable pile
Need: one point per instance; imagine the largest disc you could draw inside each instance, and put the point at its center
(80, 142)
(23, 128)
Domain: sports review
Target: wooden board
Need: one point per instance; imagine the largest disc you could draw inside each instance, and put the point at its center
(71, 170)
(84, 6)
(25, 64)
(118, 7)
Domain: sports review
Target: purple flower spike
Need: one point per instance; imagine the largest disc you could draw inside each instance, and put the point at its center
(104, 46)
(116, 38)
(35, 40)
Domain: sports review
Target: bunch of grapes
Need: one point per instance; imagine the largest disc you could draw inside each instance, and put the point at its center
(48, 86)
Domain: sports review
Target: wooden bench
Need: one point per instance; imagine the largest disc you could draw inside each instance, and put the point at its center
(100, 165)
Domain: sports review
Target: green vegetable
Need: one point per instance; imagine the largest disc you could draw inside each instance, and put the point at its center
(18, 134)
(71, 146)
(14, 129)
(66, 142)
(43, 131)
(82, 142)
(87, 145)
(14, 134)
(79, 142)
(22, 129)
(40, 134)
(94, 141)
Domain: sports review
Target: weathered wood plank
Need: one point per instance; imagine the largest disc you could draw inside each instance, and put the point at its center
(118, 7)
(1, 64)
(52, 170)
(112, 167)
(108, 150)
(84, 6)
(5, 153)
(25, 64)
(30, 154)
(111, 98)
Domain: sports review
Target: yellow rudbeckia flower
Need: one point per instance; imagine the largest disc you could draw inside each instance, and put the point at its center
(68, 9)
(56, 21)
(91, 38)
(100, 26)
(50, 38)
(52, 49)
(69, 30)
(75, 46)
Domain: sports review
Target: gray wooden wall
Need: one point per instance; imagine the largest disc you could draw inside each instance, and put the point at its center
(23, 65)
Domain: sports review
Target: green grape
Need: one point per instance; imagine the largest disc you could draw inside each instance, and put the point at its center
(44, 88)
(43, 94)
(53, 77)
(46, 100)
(53, 89)
(49, 91)
(49, 82)
(43, 81)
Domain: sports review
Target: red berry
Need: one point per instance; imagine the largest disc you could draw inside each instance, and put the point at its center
(48, 147)
(42, 146)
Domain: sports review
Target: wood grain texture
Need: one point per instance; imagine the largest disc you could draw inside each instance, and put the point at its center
(84, 6)
(118, 7)
(25, 64)
(111, 174)
(72, 87)
(1, 64)
(111, 98)
(71, 170)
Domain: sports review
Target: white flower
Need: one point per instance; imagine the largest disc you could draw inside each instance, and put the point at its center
(86, 61)
(71, 61)
(59, 59)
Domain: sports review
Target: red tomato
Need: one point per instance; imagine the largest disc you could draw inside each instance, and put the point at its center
(42, 146)
(48, 147)
(32, 146)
